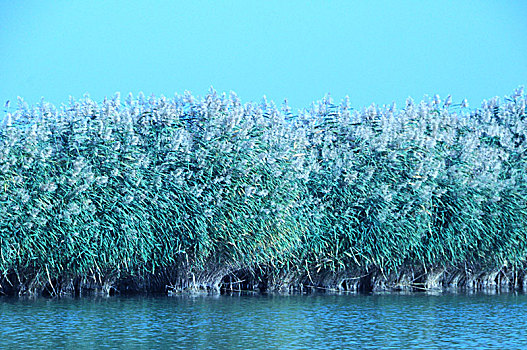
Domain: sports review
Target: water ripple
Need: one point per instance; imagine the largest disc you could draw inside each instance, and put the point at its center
(268, 322)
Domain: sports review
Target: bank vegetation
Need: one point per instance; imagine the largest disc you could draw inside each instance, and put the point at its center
(174, 195)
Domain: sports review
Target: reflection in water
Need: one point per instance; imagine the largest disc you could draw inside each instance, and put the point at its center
(261, 322)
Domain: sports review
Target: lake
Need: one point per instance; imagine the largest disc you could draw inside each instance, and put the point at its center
(321, 321)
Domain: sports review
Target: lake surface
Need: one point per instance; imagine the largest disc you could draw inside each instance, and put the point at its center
(260, 322)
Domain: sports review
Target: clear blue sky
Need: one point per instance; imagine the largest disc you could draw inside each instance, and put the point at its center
(373, 51)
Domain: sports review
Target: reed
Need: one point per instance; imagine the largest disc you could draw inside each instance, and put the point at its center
(185, 191)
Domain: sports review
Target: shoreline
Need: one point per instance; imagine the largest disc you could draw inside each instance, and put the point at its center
(417, 280)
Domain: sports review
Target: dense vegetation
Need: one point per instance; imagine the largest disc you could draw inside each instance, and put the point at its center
(184, 192)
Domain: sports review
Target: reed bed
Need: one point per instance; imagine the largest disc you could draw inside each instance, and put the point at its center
(188, 193)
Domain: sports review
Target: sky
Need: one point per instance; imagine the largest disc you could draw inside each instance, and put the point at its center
(372, 51)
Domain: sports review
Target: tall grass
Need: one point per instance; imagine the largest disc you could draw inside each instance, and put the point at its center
(194, 189)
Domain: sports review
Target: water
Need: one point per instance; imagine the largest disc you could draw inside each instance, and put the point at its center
(268, 322)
